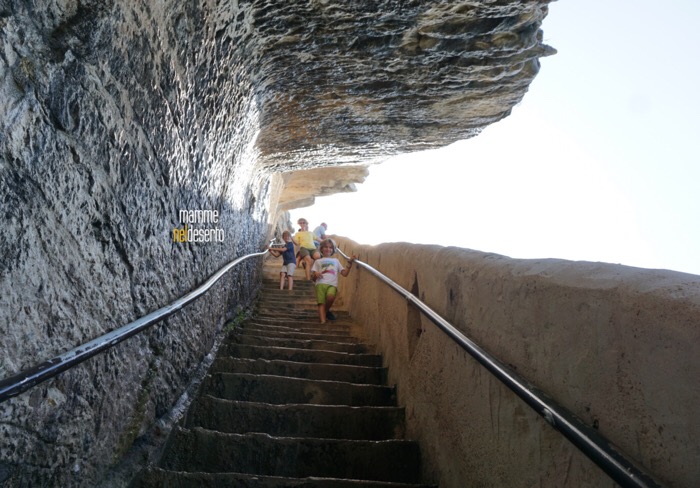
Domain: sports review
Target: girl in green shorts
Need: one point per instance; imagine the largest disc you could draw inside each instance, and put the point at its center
(325, 273)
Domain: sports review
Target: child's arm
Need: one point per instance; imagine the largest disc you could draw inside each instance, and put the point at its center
(275, 252)
(346, 270)
(314, 273)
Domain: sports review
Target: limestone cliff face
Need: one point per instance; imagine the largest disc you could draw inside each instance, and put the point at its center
(118, 114)
(355, 83)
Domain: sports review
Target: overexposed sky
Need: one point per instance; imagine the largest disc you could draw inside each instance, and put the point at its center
(600, 162)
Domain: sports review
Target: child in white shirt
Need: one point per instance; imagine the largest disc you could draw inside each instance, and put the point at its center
(325, 273)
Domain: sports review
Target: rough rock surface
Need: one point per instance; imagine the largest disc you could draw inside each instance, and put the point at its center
(118, 114)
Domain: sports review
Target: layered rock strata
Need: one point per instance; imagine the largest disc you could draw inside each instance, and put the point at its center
(116, 115)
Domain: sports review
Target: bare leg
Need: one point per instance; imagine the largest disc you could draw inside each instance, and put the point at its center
(282, 280)
(329, 303)
(307, 269)
(322, 312)
(290, 281)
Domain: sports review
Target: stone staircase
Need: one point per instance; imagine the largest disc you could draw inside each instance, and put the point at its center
(291, 403)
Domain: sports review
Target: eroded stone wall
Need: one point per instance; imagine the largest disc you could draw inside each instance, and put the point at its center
(117, 114)
(615, 345)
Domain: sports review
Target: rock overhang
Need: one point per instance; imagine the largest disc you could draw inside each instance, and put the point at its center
(355, 83)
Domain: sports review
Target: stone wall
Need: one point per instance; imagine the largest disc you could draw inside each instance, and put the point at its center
(117, 114)
(112, 122)
(615, 345)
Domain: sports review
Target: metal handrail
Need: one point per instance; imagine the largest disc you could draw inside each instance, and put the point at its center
(588, 440)
(21, 382)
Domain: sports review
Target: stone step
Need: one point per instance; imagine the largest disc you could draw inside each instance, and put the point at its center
(304, 300)
(294, 420)
(310, 310)
(282, 389)
(299, 355)
(284, 308)
(300, 317)
(300, 293)
(261, 454)
(307, 305)
(312, 371)
(271, 287)
(271, 316)
(299, 333)
(158, 477)
(311, 326)
(301, 326)
(274, 284)
(245, 338)
(300, 297)
(303, 297)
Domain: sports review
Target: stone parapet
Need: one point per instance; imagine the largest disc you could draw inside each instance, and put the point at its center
(615, 345)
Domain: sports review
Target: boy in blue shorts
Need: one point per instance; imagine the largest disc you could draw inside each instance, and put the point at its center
(325, 273)
(289, 260)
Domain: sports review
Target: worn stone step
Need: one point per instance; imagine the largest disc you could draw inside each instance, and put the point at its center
(275, 309)
(306, 326)
(312, 322)
(296, 317)
(288, 315)
(158, 477)
(301, 293)
(209, 451)
(317, 344)
(281, 305)
(283, 389)
(299, 333)
(283, 309)
(302, 297)
(294, 420)
(303, 284)
(312, 371)
(311, 325)
(299, 355)
(299, 284)
(302, 287)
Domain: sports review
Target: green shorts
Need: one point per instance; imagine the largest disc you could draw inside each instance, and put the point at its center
(323, 290)
(303, 252)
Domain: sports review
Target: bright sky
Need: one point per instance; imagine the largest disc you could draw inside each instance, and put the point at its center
(600, 162)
